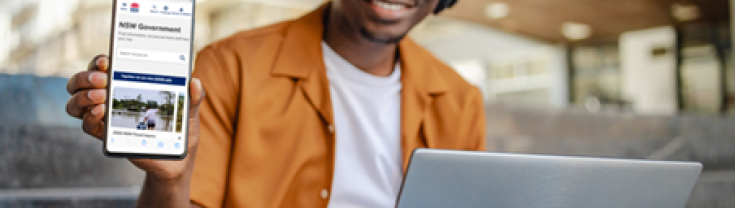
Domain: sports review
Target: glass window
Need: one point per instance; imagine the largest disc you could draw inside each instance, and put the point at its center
(597, 76)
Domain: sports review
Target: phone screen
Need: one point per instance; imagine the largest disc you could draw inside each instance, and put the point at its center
(150, 67)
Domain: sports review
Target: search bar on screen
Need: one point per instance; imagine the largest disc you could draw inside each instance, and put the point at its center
(146, 55)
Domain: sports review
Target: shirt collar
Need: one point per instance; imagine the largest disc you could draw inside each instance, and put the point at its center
(301, 54)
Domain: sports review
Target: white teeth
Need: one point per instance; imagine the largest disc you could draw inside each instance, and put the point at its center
(389, 6)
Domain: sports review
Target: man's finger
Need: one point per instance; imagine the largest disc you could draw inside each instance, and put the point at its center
(197, 97)
(80, 102)
(99, 63)
(87, 80)
(92, 122)
(197, 93)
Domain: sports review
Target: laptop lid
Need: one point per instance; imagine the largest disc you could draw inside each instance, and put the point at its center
(444, 178)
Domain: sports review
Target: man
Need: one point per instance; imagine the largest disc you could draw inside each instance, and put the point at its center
(322, 111)
(150, 117)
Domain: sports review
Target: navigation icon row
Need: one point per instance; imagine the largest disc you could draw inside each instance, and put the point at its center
(166, 9)
(147, 143)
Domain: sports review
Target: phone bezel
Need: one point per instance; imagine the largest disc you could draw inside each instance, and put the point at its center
(109, 87)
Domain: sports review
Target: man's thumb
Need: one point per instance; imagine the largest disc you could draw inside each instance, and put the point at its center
(196, 92)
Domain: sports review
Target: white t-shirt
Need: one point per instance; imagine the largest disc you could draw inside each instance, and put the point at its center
(367, 115)
(151, 115)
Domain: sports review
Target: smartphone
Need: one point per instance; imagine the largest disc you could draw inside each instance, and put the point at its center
(148, 83)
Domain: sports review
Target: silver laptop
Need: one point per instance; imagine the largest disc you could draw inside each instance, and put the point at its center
(458, 179)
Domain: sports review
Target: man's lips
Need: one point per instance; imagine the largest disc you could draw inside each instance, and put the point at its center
(393, 4)
(391, 9)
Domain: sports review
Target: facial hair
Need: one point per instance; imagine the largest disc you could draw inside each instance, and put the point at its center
(371, 37)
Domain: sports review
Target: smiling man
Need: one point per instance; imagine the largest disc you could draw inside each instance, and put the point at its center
(321, 111)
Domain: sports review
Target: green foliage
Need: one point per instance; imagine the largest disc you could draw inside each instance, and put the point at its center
(129, 104)
(179, 114)
(167, 107)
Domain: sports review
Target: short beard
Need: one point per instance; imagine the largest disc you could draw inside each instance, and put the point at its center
(367, 35)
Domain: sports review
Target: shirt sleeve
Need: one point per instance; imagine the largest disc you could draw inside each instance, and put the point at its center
(217, 115)
(475, 115)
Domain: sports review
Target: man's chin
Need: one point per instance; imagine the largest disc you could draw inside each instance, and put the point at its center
(381, 40)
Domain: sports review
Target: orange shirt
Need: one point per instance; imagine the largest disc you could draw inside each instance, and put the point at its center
(267, 135)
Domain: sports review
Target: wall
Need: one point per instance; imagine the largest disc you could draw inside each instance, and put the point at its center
(468, 47)
(649, 81)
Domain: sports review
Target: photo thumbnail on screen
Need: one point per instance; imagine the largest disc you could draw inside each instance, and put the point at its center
(143, 109)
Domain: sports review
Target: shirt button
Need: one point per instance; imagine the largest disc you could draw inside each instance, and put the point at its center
(331, 128)
(325, 193)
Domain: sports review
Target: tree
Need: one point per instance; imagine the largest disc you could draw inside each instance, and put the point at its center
(168, 97)
(139, 101)
(180, 114)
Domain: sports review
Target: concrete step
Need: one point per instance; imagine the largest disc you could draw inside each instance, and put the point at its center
(714, 189)
(70, 197)
(706, 139)
(87, 203)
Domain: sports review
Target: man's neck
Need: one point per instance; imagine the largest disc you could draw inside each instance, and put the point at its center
(374, 58)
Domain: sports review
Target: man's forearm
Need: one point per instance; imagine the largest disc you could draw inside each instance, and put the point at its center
(158, 193)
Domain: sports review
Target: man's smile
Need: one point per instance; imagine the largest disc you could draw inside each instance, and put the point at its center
(391, 10)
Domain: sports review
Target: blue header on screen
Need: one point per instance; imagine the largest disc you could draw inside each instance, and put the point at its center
(150, 78)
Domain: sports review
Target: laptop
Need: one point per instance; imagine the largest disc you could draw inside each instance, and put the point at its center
(460, 179)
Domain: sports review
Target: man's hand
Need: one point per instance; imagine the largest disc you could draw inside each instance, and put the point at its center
(88, 90)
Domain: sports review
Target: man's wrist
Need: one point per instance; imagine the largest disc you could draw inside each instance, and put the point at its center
(164, 192)
(173, 182)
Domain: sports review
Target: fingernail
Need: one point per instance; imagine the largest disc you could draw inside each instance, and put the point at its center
(101, 61)
(97, 111)
(197, 83)
(96, 95)
(197, 87)
(98, 79)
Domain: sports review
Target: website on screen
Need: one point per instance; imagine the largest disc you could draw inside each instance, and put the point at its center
(150, 77)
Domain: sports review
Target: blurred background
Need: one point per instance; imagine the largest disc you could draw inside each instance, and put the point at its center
(646, 79)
